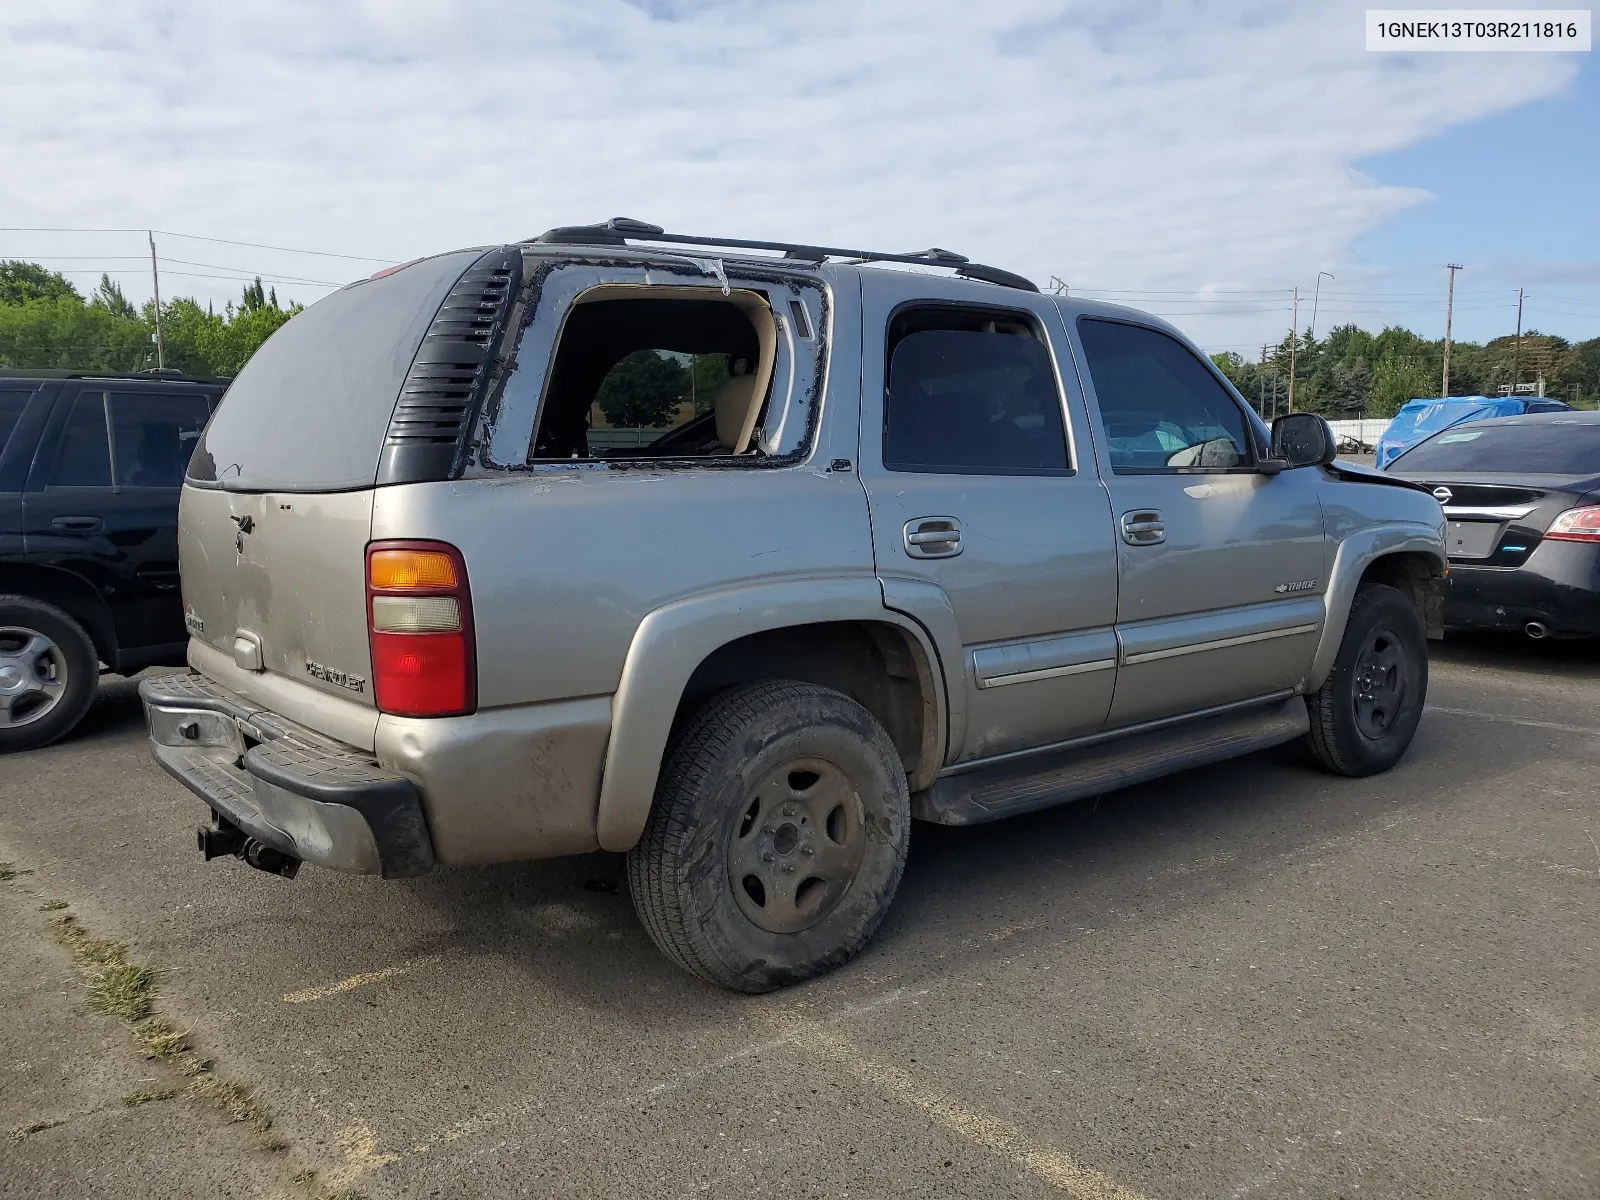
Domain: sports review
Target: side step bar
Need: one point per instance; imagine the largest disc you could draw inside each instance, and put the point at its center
(1042, 781)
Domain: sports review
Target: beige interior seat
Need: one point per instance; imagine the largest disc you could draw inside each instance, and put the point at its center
(736, 404)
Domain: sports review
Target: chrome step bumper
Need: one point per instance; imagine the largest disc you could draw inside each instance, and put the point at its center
(298, 792)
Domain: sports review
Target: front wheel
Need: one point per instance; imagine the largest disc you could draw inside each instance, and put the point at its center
(777, 836)
(1366, 712)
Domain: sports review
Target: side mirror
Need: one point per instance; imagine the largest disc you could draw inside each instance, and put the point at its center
(1303, 440)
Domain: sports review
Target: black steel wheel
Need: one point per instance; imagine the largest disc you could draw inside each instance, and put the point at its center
(777, 836)
(1366, 712)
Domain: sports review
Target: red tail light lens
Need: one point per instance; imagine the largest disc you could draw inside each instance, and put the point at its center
(419, 622)
(1576, 525)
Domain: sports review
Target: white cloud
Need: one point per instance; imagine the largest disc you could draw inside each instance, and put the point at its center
(1119, 145)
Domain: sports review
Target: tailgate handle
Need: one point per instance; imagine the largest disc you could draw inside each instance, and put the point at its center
(77, 524)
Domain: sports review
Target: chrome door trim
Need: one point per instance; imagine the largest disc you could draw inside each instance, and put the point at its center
(1106, 735)
(1218, 644)
(1045, 658)
(994, 681)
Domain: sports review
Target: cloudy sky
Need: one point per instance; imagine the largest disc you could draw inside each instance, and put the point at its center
(1197, 158)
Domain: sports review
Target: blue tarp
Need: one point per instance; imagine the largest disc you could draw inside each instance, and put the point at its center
(1419, 419)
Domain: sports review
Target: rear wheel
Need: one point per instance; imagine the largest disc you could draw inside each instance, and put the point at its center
(777, 836)
(48, 673)
(1366, 712)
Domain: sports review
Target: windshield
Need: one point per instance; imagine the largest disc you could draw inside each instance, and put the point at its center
(1548, 448)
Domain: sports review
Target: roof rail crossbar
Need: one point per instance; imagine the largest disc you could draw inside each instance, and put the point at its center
(619, 230)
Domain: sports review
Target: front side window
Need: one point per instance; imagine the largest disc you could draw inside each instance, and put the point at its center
(12, 402)
(1161, 408)
(83, 458)
(977, 396)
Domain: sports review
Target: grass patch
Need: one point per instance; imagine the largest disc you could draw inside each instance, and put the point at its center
(116, 986)
(234, 1098)
(158, 1039)
(128, 990)
(134, 1099)
(52, 906)
(9, 871)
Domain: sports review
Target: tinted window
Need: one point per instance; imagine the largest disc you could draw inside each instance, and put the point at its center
(12, 402)
(154, 435)
(975, 403)
(309, 411)
(1548, 448)
(1161, 407)
(83, 458)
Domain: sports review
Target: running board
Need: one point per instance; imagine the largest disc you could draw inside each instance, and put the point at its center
(1023, 786)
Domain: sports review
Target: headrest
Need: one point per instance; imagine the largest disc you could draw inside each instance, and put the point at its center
(735, 408)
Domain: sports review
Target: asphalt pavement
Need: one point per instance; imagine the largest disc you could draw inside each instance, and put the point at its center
(1248, 980)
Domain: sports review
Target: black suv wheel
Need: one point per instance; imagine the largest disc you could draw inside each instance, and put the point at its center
(777, 836)
(48, 673)
(1366, 712)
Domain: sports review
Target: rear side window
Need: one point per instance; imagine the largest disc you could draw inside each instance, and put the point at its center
(83, 457)
(309, 411)
(1162, 409)
(973, 401)
(153, 435)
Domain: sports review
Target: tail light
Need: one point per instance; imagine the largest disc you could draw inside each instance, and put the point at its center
(419, 620)
(1576, 525)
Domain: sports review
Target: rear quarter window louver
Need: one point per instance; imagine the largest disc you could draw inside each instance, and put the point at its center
(447, 380)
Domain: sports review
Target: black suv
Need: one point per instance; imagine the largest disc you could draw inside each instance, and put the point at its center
(90, 469)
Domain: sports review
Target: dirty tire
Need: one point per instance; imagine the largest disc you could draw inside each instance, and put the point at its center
(32, 728)
(1367, 710)
(717, 772)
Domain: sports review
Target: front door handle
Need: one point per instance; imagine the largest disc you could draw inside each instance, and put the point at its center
(1143, 527)
(933, 537)
(77, 524)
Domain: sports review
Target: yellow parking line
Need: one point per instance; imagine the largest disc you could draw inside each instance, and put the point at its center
(1053, 1166)
(350, 984)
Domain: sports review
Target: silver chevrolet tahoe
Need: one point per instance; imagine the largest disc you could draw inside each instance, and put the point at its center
(736, 556)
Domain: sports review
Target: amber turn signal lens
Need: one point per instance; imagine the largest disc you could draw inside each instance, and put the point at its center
(404, 570)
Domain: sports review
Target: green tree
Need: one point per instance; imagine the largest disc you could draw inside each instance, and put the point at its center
(109, 296)
(1399, 377)
(642, 390)
(24, 281)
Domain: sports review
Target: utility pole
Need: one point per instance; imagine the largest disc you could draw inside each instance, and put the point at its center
(1312, 332)
(1294, 339)
(155, 281)
(1449, 311)
(1516, 353)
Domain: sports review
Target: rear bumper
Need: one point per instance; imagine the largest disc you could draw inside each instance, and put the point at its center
(292, 789)
(1558, 586)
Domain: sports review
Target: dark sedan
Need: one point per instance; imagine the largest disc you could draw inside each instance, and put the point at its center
(1522, 497)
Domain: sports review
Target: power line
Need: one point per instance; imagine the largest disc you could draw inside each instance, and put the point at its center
(195, 237)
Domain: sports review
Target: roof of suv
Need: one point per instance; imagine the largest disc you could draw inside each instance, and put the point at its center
(153, 376)
(618, 232)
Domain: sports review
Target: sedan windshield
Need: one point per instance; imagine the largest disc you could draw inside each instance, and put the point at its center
(1548, 448)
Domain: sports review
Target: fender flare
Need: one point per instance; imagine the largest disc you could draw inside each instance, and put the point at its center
(672, 641)
(1356, 553)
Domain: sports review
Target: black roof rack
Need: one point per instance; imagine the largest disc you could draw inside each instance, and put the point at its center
(169, 373)
(618, 231)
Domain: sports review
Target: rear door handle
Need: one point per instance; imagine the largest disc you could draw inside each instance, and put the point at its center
(1143, 527)
(933, 537)
(77, 524)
